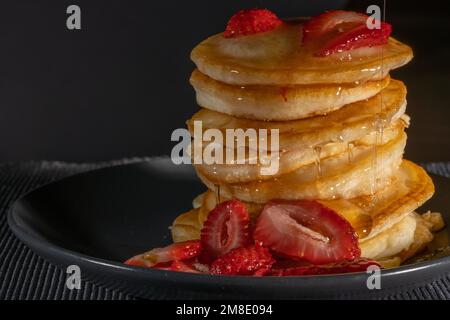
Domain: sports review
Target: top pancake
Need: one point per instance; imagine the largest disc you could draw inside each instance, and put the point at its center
(278, 103)
(278, 57)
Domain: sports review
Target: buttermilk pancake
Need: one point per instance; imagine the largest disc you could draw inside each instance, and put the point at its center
(332, 133)
(337, 177)
(292, 159)
(315, 97)
(279, 57)
(276, 103)
(384, 222)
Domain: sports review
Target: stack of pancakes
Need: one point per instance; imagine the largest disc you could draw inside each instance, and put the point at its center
(341, 122)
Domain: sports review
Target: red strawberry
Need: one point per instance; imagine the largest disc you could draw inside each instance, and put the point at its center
(306, 230)
(138, 261)
(180, 266)
(358, 37)
(348, 30)
(325, 22)
(226, 228)
(359, 265)
(251, 21)
(177, 251)
(251, 260)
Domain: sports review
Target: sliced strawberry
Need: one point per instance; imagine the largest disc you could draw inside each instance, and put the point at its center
(358, 265)
(226, 228)
(180, 266)
(262, 272)
(306, 230)
(251, 260)
(177, 251)
(343, 31)
(138, 261)
(251, 21)
(358, 37)
(325, 22)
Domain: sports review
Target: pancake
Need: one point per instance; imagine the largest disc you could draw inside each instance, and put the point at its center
(340, 120)
(370, 216)
(298, 138)
(422, 237)
(401, 242)
(290, 160)
(335, 177)
(186, 226)
(279, 58)
(391, 241)
(277, 103)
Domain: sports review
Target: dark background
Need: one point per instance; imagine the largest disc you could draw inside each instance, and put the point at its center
(118, 87)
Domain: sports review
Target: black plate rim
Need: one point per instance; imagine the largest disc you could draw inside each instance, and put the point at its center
(41, 246)
(54, 252)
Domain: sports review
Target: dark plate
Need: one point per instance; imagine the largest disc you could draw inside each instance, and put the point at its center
(97, 219)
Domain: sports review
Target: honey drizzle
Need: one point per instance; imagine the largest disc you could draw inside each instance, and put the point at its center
(350, 147)
(364, 223)
(217, 193)
(379, 129)
(317, 152)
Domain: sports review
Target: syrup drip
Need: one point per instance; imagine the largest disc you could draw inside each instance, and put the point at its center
(363, 225)
(284, 92)
(374, 169)
(317, 152)
(380, 132)
(379, 129)
(240, 98)
(217, 193)
(350, 147)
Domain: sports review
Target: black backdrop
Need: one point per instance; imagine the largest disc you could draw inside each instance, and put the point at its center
(118, 87)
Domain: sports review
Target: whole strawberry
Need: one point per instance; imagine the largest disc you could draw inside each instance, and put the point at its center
(251, 21)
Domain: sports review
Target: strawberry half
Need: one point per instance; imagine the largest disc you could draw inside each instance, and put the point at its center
(359, 265)
(343, 31)
(179, 266)
(325, 22)
(253, 260)
(174, 252)
(138, 261)
(251, 21)
(226, 228)
(306, 230)
(358, 37)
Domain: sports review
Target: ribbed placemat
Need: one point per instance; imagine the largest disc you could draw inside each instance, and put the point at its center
(24, 275)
